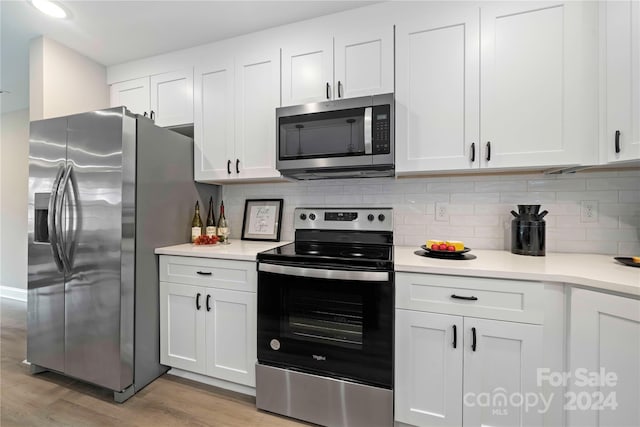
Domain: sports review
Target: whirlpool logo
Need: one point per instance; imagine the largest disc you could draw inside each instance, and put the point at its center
(316, 357)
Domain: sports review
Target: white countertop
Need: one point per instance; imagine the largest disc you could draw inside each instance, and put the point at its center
(241, 250)
(600, 272)
(595, 271)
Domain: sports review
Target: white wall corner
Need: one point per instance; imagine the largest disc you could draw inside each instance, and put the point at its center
(13, 293)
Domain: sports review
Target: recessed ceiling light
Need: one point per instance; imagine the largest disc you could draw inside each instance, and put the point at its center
(49, 8)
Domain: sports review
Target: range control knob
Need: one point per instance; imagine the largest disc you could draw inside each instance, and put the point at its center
(370, 217)
(303, 216)
(312, 217)
(381, 217)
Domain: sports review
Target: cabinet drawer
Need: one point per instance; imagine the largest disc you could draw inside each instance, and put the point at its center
(217, 273)
(502, 299)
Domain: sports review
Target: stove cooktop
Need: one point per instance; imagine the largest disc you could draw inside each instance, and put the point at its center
(378, 257)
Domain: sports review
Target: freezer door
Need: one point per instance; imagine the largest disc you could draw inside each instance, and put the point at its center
(45, 297)
(99, 247)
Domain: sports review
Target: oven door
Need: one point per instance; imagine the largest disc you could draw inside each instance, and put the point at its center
(336, 323)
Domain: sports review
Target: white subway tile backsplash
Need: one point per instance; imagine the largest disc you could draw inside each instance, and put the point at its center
(556, 185)
(621, 183)
(528, 198)
(477, 206)
(577, 196)
(626, 196)
(500, 186)
(475, 197)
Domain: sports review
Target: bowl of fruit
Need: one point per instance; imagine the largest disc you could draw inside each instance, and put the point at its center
(206, 240)
(445, 247)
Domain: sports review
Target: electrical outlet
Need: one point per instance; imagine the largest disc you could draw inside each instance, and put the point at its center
(589, 211)
(442, 213)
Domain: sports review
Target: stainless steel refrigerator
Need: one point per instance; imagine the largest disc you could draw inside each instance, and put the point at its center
(105, 189)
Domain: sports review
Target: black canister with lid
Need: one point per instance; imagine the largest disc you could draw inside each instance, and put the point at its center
(528, 231)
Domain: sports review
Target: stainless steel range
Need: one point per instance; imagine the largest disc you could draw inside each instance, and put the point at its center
(325, 319)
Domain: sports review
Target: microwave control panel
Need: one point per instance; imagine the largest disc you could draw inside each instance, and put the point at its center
(381, 128)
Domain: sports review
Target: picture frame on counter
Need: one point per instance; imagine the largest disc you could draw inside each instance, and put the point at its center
(262, 220)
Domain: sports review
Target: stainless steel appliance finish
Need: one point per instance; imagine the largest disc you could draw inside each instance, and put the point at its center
(92, 291)
(325, 319)
(326, 124)
(322, 400)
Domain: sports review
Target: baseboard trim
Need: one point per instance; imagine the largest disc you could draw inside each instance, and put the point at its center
(13, 293)
(227, 385)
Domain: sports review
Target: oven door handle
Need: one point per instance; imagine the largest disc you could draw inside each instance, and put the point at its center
(320, 273)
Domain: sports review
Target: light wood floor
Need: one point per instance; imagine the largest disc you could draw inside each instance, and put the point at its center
(50, 399)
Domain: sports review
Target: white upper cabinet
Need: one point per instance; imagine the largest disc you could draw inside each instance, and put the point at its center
(355, 63)
(537, 103)
(133, 94)
(437, 91)
(172, 97)
(234, 124)
(307, 71)
(213, 124)
(509, 84)
(620, 56)
(257, 96)
(363, 62)
(167, 98)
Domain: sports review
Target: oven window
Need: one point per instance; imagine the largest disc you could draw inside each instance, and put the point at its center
(322, 318)
(330, 134)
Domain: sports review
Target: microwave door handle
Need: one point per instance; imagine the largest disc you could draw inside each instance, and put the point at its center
(368, 132)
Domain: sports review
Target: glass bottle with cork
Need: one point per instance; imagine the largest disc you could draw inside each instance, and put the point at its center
(210, 229)
(223, 226)
(196, 224)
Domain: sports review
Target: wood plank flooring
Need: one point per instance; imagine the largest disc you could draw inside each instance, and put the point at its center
(50, 399)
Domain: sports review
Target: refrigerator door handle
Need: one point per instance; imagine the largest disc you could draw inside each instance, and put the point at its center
(58, 221)
(51, 220)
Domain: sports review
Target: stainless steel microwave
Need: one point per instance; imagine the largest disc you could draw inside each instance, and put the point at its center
(347, 138)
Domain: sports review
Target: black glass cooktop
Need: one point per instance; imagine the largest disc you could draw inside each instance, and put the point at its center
(323, 253)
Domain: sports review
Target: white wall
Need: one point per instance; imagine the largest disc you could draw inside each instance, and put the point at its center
(14, 173)
(62, 81)
(478, 207)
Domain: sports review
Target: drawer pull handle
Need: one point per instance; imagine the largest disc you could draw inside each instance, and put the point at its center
(198, 306)
(617, 142)
(473, 342)
(204, 273)
(208, 302)
(455, 336)
(454, 296)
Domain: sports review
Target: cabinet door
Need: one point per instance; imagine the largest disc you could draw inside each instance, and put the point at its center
(214, 121)
(621, 57)
(604, 335)
(231, 335)
(505, 361)
(133, 94)
(437, 91)
(182, 343)
(428, 376)
(257, 96)
(538, 99)
(172, 97)
(307, 71)
(364, 62)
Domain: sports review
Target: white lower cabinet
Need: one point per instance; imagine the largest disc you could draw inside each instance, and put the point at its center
(208, 322)
(604, 360)
(456, 370)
